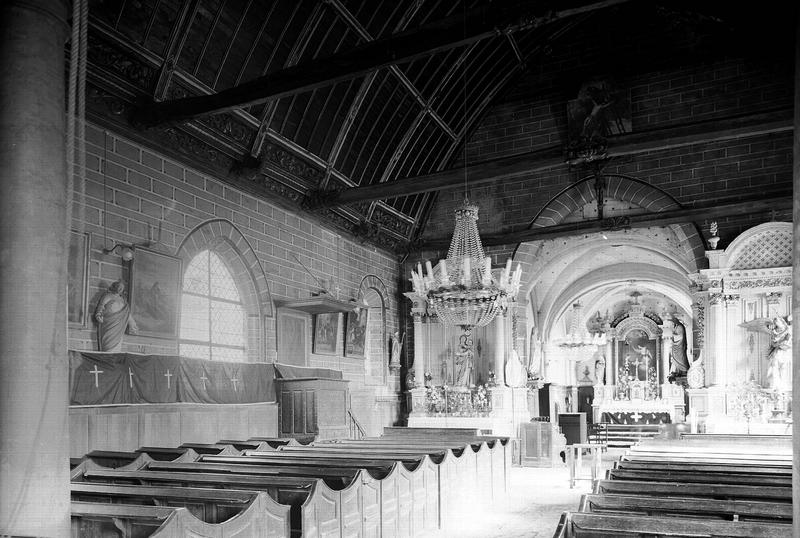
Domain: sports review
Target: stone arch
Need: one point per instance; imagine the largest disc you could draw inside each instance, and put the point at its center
(374, 292)
(619, 187)
(225, 239)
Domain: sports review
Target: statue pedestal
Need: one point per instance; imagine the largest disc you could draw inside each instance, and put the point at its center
(416, 402)
(509, 409)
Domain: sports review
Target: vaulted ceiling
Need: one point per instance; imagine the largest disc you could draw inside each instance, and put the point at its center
(305, 101)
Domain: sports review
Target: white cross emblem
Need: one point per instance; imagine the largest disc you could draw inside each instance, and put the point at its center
(130, 377)
(96, 373)
(203, 379)
(636, 416)
(168, 376)
(234, 381)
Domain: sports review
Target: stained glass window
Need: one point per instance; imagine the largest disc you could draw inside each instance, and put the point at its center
(212, 317)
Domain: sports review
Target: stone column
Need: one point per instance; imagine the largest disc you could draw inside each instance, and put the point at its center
(715, 363)
(796, 292)
(419, 350)
(500, 349)
(34, 371)
(666, 350)
(733, 340)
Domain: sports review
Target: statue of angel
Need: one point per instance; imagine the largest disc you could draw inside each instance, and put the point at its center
(779, 369)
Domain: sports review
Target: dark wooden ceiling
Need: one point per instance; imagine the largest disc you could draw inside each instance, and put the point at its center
(321, 108)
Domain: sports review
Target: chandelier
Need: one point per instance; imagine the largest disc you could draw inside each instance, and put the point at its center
(578, 336)
(461, 288)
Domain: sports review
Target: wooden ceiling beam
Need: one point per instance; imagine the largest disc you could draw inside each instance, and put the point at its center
(553, 157)
(445, 34)
(662, 218)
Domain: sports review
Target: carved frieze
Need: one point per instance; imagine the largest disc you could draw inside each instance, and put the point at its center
(292, 164)
(125, 65)
(774, 297)
(228, 125)
(773, 282)
(390, 221)
(716, 298)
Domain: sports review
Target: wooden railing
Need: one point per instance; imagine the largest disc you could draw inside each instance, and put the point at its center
(356, 430)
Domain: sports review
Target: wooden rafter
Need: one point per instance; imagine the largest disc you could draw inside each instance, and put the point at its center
(552, 157)
(434, 37)
(662, 218)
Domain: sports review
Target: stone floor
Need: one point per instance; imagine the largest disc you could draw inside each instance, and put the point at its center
(536, 499)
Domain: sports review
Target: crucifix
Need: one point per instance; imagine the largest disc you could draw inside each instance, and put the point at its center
(203, 379)
(234, 380)
(96, 373)
(168, 376)
(130, 377)
(636, 416)
(636, 364)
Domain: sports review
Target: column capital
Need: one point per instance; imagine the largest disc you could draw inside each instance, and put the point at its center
(715, 299)
(731, 299)
(773, 297)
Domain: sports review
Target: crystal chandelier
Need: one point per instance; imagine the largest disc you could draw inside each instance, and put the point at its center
(461, 289)
(578, 335)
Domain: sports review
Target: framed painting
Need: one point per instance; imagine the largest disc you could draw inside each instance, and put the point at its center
(155, 293)
(326, 333)
(356, 333)
(77, 281)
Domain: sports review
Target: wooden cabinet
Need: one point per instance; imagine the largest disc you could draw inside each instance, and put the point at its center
(311, 407)
(573, 426)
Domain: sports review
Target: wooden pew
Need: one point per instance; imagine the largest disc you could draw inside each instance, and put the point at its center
(105, 519)
(735, 510)
(260, 518)
(712, 491)
(315, 507)
(699, 477)
(578, 525)
(210, 505)
(410, 497)
(717, 467)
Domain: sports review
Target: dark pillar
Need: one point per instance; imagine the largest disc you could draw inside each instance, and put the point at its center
(796, 295)
(34, 373)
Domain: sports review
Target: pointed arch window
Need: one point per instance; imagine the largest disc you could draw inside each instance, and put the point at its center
(212, 315)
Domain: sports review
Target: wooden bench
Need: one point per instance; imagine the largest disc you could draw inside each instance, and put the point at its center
(105, 519)
(712, 491)
(734, 510)
(578, 525)
(717, 467)
(699, 477)
(210, 505)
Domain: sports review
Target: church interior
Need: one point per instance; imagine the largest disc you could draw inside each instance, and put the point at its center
(371, 267)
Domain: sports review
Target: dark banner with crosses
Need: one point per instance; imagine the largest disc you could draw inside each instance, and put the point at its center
(129, 378)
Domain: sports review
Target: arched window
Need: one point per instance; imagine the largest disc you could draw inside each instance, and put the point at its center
(212, 315)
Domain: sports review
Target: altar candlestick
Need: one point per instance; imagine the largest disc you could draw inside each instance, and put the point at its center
(445, 277)
(429, 267)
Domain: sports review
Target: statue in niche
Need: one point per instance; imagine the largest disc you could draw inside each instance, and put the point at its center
(679, 362)
(600, 369)
(397, 348)
(779, 372)
(514, 371)
(113, 316)
(779, 359)
(464, 363)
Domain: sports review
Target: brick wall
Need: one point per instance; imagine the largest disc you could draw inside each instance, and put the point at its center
(694, 85)
(142, 191)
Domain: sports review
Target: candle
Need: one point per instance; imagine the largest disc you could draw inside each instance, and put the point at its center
(445, 277)
(507, 273)
(429, 267)
(487, 271)
(466, 279)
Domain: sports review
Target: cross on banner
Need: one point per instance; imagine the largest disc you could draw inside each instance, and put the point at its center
(130, 377)
(168, 376)
(234, 381)
(203, 379)
(636, 416)
(96, 373)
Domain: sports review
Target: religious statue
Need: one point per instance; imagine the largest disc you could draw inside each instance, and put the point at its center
(397, 348)
(514, 371)
(600, 369)
(679, 363)
(779, 368)
(462, 373)
(779, 372)
(113, 316)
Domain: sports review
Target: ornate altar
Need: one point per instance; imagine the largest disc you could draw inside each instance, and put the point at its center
(743, 301)
(639, 349)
